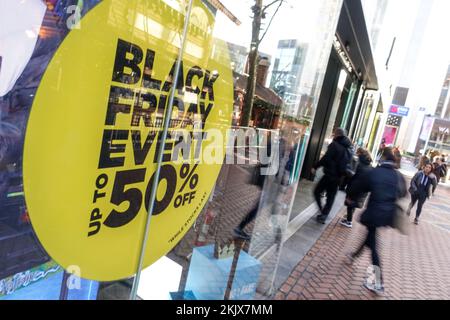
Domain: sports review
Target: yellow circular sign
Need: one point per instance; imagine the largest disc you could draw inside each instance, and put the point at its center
(96, 125)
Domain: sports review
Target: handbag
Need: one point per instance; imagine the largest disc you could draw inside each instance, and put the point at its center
(400, 219)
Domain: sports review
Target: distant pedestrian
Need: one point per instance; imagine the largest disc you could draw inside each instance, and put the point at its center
(444, 168)
(335, 163)
(422, 187)
(259, 180)
(354, 198)
(398, 157)
(386, 186)
(438, 169)
(422, 162)
(380, 149)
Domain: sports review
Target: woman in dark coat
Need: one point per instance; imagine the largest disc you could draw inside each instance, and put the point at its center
(386, 185)
(422, 187)
(355, 199)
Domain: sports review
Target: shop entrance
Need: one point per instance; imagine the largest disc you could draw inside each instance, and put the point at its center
(333, 111)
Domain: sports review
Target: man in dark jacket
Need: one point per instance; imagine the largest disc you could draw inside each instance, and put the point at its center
(332, 168)
(386, 186)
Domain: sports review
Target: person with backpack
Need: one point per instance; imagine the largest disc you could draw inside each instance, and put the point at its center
(354, 198)
(386, 187)
(349, 170)
(422, 187)
(335, 165)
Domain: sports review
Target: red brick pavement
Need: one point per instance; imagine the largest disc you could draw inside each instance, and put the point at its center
(416, 266)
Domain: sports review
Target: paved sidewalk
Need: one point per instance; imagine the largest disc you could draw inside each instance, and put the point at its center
(414, 267)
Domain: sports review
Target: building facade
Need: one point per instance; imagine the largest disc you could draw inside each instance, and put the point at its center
(287, 71)
(122, 171)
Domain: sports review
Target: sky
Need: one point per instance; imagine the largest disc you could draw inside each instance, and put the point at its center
(282, 27)
(303, 20)
(425, 73)
(434, 56)
(295, 18)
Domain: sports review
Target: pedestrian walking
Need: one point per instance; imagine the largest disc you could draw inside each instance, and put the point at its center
(259, 180)
(444, 168)
(335, 162)
(421, 188)
(422, 162)
(386, 186)
(398, 157)
(354, 198)
(438, 169)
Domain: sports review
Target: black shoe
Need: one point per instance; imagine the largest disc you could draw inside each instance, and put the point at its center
(321, 218)
(416, 221)
(241, 234)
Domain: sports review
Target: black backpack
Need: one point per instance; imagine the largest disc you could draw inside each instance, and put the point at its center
(346, 165)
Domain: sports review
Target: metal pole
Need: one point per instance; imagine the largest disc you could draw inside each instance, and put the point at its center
(167, 117)
(63, 294)
(239, 246)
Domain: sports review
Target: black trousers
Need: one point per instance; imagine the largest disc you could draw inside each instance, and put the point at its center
(330, 186)
(371, 243)
(350, 212)
(421, 200)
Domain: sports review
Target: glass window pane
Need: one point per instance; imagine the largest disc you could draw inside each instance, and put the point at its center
(86, 88)
(232, 250)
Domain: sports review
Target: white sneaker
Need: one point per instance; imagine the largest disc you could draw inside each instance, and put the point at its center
(378, 289)
(345, 223)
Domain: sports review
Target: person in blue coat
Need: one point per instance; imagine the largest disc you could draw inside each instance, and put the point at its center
(386, 186)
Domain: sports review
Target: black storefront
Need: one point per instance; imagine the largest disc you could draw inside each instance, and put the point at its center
(351, 53)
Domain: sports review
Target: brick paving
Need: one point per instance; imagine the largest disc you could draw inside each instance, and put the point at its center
(416, 266)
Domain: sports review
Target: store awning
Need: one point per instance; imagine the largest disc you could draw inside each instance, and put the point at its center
(352, 33)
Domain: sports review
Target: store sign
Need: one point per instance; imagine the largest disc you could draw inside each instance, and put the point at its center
(399, 110)
(443, 130)
(340, 51)
(96, 125)
(427, 126)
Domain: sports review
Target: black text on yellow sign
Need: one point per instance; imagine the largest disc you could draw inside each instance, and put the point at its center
(95, 130)
(143, 106)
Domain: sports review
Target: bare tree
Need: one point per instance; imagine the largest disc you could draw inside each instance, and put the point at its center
(259, 14)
